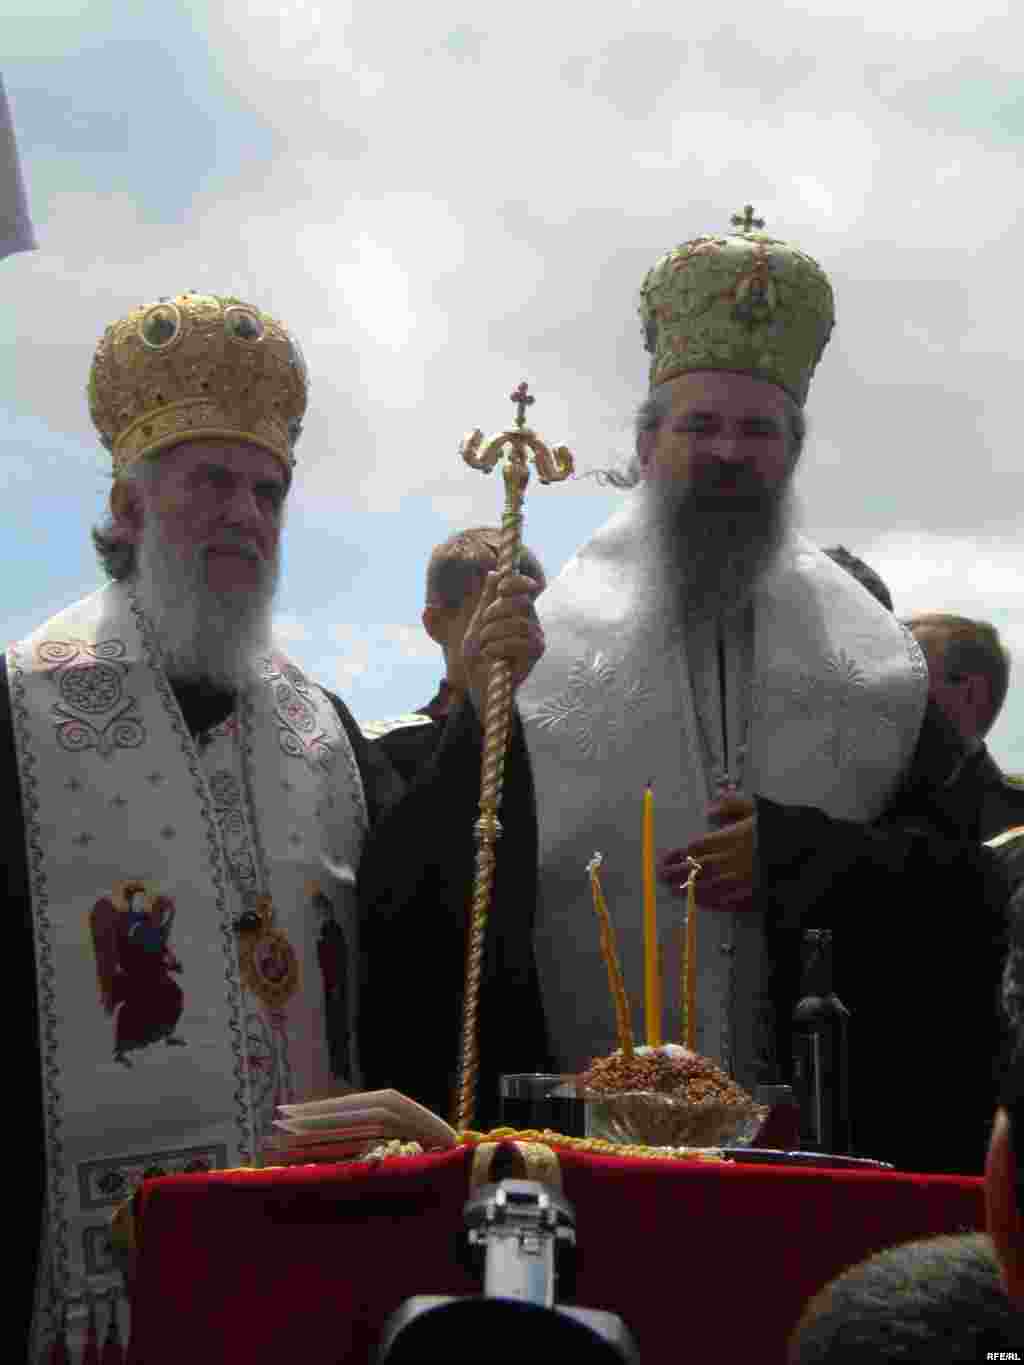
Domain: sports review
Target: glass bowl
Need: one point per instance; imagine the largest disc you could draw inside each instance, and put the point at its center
(650, 1119)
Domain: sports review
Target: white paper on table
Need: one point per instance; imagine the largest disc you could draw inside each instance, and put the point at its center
(339, 1123)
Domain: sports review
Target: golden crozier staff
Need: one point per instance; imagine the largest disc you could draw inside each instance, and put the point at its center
(515, 444)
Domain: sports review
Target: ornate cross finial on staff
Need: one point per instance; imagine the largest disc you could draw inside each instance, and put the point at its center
(522, 397)
(746, 219)
(516, 445)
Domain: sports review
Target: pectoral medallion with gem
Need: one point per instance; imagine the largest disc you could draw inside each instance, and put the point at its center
(267, 961)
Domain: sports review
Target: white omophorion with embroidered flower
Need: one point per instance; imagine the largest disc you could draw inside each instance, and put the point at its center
(144, 850)
(823, 708)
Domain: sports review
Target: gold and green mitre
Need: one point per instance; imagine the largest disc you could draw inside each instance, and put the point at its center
(197, 366)
(746, 302)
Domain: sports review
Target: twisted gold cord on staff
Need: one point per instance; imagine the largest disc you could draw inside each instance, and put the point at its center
(516, 444)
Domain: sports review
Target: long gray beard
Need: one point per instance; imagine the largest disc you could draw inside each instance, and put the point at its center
(204, 636)
(708, 552)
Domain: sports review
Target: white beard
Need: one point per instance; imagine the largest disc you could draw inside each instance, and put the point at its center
(204, 636)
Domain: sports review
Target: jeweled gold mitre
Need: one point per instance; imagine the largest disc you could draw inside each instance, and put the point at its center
(197, 366)
(745, 302)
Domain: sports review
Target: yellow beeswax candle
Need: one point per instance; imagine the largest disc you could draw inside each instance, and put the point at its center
(609, 951)
(652, 976)
(690, 1038)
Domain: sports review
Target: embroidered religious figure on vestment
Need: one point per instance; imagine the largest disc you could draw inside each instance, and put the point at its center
(130, 932)
(332, 955)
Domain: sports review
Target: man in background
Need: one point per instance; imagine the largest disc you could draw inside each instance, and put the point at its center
(968, 671)
(456, 575)
(412, 964)
(969, 674)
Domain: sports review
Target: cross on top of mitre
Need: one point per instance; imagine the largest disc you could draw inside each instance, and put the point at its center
(746, 220)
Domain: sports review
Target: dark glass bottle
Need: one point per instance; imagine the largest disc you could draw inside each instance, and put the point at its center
(821, 1051)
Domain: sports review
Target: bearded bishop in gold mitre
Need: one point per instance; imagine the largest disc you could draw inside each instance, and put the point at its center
(195, 814)
(700, 643)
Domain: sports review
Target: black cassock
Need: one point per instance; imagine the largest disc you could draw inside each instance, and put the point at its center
(415, 880)
(918, 910)
(414, 916)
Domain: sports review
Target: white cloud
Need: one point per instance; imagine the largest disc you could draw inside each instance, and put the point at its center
(905, 18)
(384, 642)
(436, 227)
(339, 672)
(343, 633)
(816, 197)
(966, 575)
(290, 630)
(376, 290)
(483, 240)
(412, 641)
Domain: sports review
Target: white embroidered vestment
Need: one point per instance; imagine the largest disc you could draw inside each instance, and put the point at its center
(168, 1034)
(825, 692)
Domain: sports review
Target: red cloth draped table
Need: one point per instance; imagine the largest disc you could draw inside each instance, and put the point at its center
(703, 1261)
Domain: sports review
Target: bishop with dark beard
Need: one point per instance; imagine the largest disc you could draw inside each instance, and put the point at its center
(700, 643)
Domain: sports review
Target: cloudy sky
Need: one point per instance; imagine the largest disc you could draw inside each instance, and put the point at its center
(444, 199)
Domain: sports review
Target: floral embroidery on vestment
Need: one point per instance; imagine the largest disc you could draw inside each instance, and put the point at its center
(299, 734)
(595, 707)
(90, 681)
(856, 718)
(227, 799)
